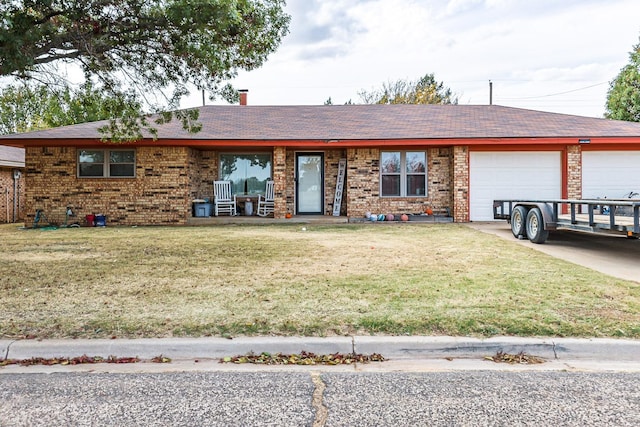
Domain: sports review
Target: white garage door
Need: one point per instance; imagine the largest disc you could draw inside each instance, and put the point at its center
(611, 174)
(511, 175)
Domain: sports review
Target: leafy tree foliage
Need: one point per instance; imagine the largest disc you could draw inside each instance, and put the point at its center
(623, 98)
(425, 90)
(25, 108)
(141, 47)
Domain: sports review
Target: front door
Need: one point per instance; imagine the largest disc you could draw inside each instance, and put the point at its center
(309, 183)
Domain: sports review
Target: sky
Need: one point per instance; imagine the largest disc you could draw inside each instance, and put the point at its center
(547, 55)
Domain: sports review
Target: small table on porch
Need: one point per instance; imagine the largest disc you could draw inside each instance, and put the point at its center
(247, 205)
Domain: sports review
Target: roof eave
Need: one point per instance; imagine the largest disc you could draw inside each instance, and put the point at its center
(327, 143)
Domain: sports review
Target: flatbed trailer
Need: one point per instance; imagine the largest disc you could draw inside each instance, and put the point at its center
(533, 219)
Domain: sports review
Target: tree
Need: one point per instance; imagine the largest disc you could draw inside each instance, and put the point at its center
(329, 101)
(154, 49)
(25, 108)
(623, 98)
(425, 90)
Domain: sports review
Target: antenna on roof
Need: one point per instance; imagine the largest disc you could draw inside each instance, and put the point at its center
(490, 92)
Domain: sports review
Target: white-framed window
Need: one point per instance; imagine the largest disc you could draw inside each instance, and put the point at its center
(248, 172)
(403, 174)
(106, 163)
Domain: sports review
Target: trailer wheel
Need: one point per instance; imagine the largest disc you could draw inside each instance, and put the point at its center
(518, 222)
(535, 226)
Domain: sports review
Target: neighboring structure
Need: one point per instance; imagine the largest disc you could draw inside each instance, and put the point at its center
(400, 159)
(12, 196)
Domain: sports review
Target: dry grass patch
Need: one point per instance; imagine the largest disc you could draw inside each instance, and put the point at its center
(247, 280)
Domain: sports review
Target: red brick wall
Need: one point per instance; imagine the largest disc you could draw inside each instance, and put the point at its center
(574, 172)
(203, 170)
(363, 185)
(7, 196)
(161, 193)
(440, 175)
(331, 162)
(169, 178)
(331, 159)
(460, 165)
(280, 183)
(289, 179)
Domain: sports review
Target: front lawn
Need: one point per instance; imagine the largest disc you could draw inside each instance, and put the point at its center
(435, 279)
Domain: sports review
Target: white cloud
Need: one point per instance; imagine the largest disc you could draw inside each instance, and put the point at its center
(529, 49)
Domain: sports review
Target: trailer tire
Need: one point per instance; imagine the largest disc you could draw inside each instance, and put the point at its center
(535, 226)
(519, 222)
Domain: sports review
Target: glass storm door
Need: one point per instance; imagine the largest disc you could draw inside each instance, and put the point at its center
(310, 183)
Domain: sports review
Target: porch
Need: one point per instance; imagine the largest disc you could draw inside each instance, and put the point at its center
(257, 220)
(309, 219)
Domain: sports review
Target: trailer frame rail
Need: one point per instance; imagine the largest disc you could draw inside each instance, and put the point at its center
(590, 215)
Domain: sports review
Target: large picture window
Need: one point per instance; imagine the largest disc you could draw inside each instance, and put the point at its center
(403, 174)
(248, 172)
(106, 163)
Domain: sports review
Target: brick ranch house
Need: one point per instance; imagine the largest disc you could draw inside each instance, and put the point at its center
(12, 196)
(453, 159)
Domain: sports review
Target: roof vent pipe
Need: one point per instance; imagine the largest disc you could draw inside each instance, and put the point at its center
(243, 96)
(490, 92)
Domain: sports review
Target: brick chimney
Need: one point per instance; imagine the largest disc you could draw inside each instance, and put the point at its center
(243, 96)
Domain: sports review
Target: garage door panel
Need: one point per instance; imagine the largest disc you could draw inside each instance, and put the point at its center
(611, 174)
(511, 175)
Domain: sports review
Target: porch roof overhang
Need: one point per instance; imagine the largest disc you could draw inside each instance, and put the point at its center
(11, 157)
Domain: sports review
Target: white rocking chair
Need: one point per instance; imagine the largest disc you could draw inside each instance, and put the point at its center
(265, 203)
(223, 200)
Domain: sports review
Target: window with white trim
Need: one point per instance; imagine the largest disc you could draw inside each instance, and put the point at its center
(403, 174)
(106, 163)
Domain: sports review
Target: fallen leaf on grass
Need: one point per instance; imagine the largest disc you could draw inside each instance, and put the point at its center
(520, 358)
(303, 358)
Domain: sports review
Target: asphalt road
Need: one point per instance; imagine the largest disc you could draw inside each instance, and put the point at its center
(610, 254)
(473, 398)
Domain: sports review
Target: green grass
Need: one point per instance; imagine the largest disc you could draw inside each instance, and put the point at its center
(279, 280)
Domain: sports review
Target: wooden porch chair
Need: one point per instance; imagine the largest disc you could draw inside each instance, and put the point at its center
(223, 200)
(265, 203)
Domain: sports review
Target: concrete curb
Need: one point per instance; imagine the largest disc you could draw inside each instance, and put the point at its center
(463, 347)
(391, 347)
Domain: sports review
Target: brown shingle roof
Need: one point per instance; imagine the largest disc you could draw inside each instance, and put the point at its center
(374, 122)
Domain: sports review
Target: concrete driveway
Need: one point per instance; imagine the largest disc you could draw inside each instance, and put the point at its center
(613, 255)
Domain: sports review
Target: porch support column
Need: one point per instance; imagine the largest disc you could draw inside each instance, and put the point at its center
(573, 165)
(280, 182)
(460, 184)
